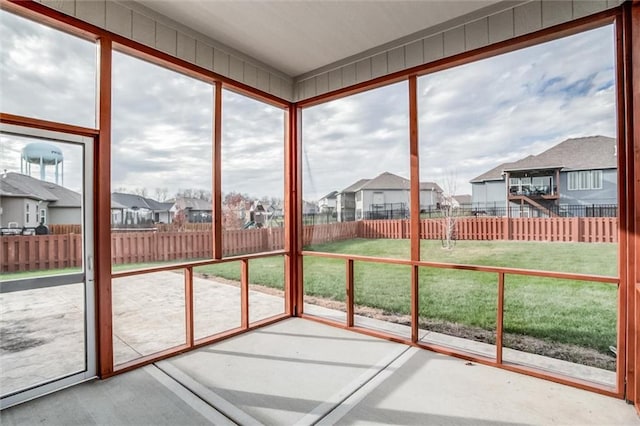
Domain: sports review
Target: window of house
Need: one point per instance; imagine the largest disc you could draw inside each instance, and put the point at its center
(585, 180)
(43, 216)
(26, 219)
(596, 179)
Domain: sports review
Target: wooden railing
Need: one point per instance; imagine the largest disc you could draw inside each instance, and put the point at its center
(26, 253)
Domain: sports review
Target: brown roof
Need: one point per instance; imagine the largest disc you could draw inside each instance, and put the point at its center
(587, 153)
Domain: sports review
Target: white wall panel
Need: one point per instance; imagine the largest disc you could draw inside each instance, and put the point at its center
(363, 70)
(583, 8)
(137, 23)
(379, 65)
(236, 70)
(434, 48)
(527, 18)
(454, 41)
(186, 48)
(263, 78)
(250, 75)
(166, 39)
(64, 6)
(349, 75)
(220, 62)
(476, 34)
(414, 54)
(501, 26)
(556, 12)
(322, 83)
(395, 59)
(94, 12)
(119, 19)
(309, 88)
(335, 79)
(204, 55)
(143, 29)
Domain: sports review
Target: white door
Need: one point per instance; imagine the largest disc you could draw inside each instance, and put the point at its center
(47, 313)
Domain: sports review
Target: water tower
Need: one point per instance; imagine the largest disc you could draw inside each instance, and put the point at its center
(43, 154)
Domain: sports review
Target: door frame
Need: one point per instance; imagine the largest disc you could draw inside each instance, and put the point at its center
(86, 276)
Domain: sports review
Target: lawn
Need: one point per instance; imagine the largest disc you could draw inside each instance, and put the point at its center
(574, 312)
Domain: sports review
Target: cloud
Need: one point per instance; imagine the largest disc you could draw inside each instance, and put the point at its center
(472, 117)
(45, 73)
(476, 116)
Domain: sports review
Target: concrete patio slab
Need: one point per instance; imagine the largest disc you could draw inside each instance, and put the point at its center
(291, 372)
(144, 396)
(423, 387)
(302, 372)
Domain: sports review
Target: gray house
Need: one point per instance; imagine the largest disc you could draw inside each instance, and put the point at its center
(133, 209)
(196, 210)
(577, 177)
(26, 201)
(387, 196)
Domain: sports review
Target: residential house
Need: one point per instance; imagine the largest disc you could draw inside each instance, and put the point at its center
(133, 209)
(327, 204)
(196, 210)
(26, 202)
(577, 177)
(387, 196)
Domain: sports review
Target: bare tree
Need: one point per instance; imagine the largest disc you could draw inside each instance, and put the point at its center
(449, 209)
(141, 192)
(161, 194)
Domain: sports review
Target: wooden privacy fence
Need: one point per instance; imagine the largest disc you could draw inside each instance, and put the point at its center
(22, 253)
(34, 252)
(318, 234)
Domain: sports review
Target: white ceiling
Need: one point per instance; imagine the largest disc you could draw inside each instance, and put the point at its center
(296, 37)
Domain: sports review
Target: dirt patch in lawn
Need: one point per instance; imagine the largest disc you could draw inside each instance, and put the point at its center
(563, 351)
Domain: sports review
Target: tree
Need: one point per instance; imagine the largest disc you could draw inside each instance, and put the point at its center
(141, 192)
(161, 194)
(449, 209)
(234, 209)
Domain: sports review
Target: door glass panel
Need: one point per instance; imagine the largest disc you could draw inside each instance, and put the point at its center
(43, 309)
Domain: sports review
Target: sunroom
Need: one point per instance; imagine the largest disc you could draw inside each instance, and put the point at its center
(215, 113)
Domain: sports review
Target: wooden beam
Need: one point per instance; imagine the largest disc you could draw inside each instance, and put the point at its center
(103, 215)
(217, 173)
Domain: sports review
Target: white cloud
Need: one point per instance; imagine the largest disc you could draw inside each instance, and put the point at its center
(472, 117)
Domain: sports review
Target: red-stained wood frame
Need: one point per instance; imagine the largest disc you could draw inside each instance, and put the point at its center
(631, 52)
(627, 18)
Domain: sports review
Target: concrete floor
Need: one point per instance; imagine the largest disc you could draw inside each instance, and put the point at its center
(302, 372)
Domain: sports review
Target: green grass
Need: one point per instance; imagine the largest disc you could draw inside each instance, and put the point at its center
(566, 311)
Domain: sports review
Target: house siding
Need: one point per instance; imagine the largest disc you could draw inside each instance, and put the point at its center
(480, 29)
(488, 194)
(12, 211)
(138, 23)
(428, 199)
(607, 195)
(64, 216)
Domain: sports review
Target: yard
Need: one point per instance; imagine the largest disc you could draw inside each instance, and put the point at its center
(552, 311)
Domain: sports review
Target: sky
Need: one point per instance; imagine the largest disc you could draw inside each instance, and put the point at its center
(471, 118)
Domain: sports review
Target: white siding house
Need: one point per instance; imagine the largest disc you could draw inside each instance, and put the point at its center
(387, 196)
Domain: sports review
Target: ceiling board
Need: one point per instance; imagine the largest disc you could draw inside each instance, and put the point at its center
(296, 37)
